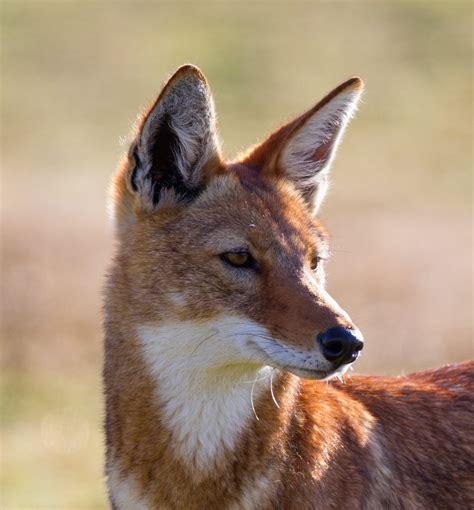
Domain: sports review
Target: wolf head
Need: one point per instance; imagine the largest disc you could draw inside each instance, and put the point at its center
(228, 258)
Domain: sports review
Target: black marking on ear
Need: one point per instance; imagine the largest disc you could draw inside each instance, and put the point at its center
(164, 173)
(164, 170)
(133, 177)
(164, 146)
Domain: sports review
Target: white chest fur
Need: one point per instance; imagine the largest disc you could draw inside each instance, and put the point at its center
(205, 384)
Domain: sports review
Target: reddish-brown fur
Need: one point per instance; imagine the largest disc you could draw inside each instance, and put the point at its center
(367, 443)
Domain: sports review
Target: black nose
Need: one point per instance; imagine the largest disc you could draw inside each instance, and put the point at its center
(341, 345)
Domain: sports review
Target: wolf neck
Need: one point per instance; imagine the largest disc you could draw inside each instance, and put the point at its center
(206, 402)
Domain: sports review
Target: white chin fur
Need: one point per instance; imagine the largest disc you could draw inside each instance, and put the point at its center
(339, 372)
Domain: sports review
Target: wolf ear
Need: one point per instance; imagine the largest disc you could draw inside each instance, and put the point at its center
(176, 141)
(302, 150)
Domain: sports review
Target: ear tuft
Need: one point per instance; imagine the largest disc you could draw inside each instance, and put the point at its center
(177, 139)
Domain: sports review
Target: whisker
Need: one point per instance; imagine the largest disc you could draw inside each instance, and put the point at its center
(256, 380)
(281, 331)
(252, 334)
(205, 339)
(251, 401)
(271, 389)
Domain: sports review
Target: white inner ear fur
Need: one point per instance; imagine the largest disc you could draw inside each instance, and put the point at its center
(189, 105)
(326, 125)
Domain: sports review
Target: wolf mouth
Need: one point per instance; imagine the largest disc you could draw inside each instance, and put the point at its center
(310, 373)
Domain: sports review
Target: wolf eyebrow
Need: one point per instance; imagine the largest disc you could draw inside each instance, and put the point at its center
(325, 255)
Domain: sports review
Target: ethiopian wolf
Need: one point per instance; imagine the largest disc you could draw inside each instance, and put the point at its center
(219, 335)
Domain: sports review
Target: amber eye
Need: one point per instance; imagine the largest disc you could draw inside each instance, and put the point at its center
(315, 264)
(241, 258)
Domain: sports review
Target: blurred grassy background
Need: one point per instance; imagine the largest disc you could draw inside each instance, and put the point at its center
(74, 76)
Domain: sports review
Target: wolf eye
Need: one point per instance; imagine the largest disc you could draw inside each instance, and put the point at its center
(239, 259)
(315, 264)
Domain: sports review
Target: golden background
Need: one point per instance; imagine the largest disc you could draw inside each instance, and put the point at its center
(74, 77)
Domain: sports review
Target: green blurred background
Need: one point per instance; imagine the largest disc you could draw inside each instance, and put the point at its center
(75, 75)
